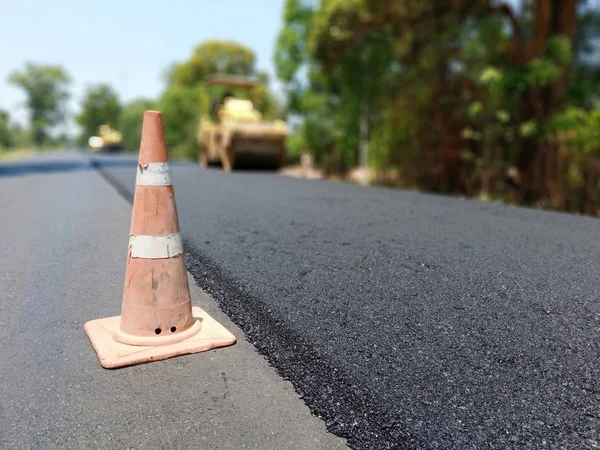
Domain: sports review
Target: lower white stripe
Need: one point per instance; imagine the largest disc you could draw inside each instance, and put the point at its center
(155, 247)
(153, 174)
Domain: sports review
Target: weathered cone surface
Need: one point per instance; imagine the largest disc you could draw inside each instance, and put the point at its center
(157, 320)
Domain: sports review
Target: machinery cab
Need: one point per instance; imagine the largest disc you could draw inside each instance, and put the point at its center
(239, 110)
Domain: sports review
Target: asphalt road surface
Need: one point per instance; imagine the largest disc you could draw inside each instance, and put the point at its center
(65, 232)
(404, 320)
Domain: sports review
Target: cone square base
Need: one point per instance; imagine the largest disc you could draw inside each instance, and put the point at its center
(113, 354)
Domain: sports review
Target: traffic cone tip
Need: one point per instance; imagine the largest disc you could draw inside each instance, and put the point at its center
(152, 146)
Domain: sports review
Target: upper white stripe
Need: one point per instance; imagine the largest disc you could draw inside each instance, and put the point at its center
(155, 247)
(153, 174)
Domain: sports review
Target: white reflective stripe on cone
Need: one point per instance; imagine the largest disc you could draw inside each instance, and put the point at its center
(153, 174)
(155, 247)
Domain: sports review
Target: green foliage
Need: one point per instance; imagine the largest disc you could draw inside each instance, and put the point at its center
(346, 73)
(47, 95)
(181, 112)
(290, 49)
(578, 129)
(559, 50)
(296, 145)
(292, 57)
(213, 57)
(23, 136)
(100, 105)
(130, 122)
(7, 138)
(528, 129)
(461, 96)
(320, 136)
(575, 135)
(491, 76)
(541, 72)
(475, 97)
(395, 141)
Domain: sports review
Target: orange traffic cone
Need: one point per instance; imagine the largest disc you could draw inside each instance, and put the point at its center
(157, 319)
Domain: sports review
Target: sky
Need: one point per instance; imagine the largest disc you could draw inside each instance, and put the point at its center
(126, 43)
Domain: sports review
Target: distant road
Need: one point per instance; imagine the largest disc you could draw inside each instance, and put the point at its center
(405, 320)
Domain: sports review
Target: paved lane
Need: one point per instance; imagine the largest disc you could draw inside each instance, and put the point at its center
(406, 320)
(65, 233)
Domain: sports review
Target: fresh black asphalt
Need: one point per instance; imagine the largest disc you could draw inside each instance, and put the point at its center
(405, 320)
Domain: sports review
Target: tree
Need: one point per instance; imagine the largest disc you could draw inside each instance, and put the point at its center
(358, 67)
(212, 57)
(130, 122)
(532, 54)
(7, 138)
(22, 136)
(310, 95)
(291, 52)
(456, 93)
(181, 113)
(100, 105)
(47, 95)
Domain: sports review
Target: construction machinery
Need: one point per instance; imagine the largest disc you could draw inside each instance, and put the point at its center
(237, 135)
(108, 140)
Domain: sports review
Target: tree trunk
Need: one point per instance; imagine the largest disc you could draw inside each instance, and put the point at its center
(551, 18)
(363, 143)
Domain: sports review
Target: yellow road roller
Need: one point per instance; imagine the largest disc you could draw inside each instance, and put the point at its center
(108, 140)
(237, 136)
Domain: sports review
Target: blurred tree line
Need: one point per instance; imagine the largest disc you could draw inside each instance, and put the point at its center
(472, 97)
(484, 98)
(185, 97)
(46, 88)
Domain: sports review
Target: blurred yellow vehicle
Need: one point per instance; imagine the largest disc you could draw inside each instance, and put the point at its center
(108, 140)
(237, 135)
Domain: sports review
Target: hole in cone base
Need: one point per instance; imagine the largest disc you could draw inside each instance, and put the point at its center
(125, 338)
